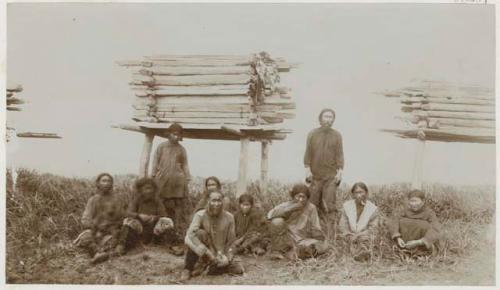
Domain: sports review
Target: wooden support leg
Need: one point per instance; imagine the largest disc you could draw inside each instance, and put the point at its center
(146, 154)
(241, 186)
(264, 159)
(418, 167)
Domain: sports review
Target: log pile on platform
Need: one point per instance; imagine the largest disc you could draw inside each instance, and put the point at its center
(205, 93)
(449, 112)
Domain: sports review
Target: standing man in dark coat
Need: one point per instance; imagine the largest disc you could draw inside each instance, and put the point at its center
(171, 173)
(324, 163)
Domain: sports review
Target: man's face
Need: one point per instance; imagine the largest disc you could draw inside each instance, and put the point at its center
(327, 119)
(301, 198)
(360, 195)
(212, 185)
(105, 183)
(174, 137)
(148, 191)
(214, 203)
(415, 203)
(245, 207)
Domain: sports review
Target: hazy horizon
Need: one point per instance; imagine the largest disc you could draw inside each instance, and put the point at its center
(65, 57)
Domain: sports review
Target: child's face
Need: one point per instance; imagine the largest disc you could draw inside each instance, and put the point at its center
(245, 207)
(415, 203)
(212, 185)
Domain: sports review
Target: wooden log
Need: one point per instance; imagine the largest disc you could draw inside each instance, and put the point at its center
(264, 166)
(241, 185)
(38, 135)
(14, 101)
(193, 70)
(463, 123)
(455, 115)
(234, 121)
(434, 93)
(243, 128)
(146, 155)
(229, 90)
(458, 108)
(211, 114)
(14, 88)
(449, 134)
(448, 108)
(463, 101)
(10, 94)
(14, 109)
(232, 130)
(197, 80)
(285, 108)
(282, 66)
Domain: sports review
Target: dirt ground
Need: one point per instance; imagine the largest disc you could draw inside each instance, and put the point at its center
(153, 265)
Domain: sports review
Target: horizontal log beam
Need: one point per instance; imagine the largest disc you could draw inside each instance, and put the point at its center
(15, 88)
(446, 135)
(14, 109)
(226, 133)
(208, 114)
(463, 101)
(229, 90)
(455, 115)
(197, 80)
(449, 108)
(14, 101)
(38, 135)
(193, 70)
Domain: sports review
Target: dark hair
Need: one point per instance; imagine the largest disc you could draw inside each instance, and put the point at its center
(208, 195)
(361, 185)
(300, 188)
(214, 179)
(324, 111)
(141, 182)
(176, 128)
(416, 193)
(245, 198)
(102, 175)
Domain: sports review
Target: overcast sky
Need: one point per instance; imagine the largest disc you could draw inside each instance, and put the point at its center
(64, 55)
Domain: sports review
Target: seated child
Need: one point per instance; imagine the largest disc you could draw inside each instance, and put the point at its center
(416, 228)
(250, 223)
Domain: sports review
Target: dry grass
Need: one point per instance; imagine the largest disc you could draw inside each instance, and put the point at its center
(43, 215)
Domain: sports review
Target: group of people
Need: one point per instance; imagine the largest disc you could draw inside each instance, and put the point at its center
(212, 236)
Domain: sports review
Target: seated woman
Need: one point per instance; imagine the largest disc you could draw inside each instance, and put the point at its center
(212, 183)
(295, 228)
(358, 223)
(102, 220)
(416, 228)
(250, 225)
(147, 219)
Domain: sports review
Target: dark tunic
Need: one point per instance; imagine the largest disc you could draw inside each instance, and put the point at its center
(253, 222)
(170, 170)
(324, 152)
(411, 226)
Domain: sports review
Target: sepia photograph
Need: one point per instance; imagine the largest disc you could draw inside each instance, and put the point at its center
(250, 144)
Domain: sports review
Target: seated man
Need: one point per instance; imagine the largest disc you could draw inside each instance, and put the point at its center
(416, 228)
(358, 223)
(102, 218)
(250, 223)
(210, 240)
(146, 215)
(295, 228)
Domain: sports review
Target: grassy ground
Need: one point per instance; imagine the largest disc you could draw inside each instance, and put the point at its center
(43, 216)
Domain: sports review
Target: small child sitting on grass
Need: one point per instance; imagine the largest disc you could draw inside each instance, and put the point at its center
(249, 223)
(416, 229)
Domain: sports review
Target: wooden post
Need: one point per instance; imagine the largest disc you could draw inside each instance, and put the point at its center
(241, 186)
(419, 157)
(264, 159)
(146, 154)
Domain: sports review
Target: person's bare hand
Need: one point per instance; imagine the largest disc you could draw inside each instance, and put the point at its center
(210, 256)
(146, 218)
(401, 243)
(413, 244)
(222, 261)
(308, 175)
